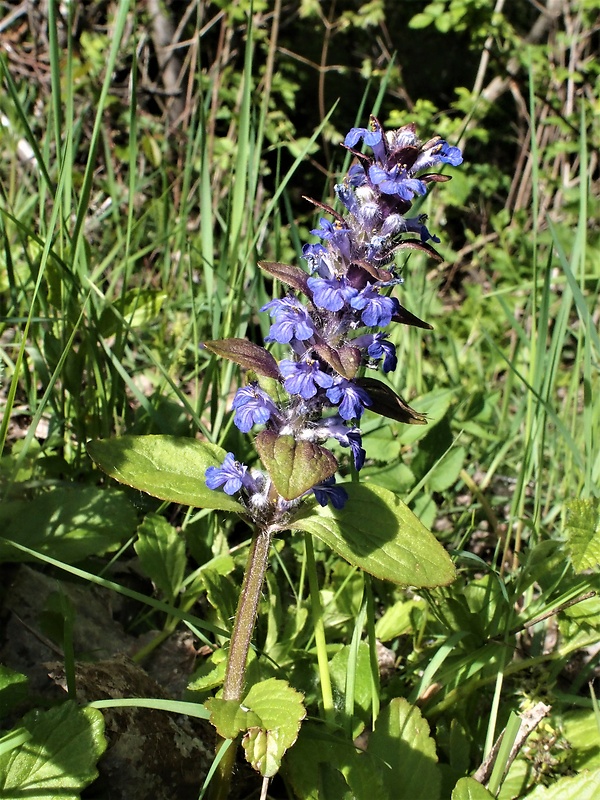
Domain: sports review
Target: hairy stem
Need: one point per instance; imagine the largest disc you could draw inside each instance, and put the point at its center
(239, 646)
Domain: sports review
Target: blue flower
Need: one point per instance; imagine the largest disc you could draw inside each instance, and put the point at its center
(253, 406)
(396, 181)
(372, 137)
(303, 377)
(347, 197)
(376, 309)
(377, 347)
(329, 491)
(231, 475)
(351, 398)
(292, 321)
(440, 152)
(357, 176)
(334, 233)
(332, 294)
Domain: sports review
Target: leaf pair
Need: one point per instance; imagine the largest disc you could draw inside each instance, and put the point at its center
(375, 531)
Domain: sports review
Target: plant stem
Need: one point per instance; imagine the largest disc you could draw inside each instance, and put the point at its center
(239, 646)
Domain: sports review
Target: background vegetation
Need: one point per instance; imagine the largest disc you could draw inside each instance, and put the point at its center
(150, 154)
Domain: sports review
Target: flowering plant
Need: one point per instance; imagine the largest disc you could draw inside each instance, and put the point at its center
(333, 320)
(352, 273)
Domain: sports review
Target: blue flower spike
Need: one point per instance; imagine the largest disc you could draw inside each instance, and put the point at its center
(335, 326)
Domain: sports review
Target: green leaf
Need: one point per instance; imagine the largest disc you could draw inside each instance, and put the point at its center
(585, 786)
(168, 467)
(246, 354)
(281, 710)
(59, 759)
(470, 789)
(270, 716)
(363, 679)
(137, 308)
(13, 689)
(401, 740)
(580, 729)
(161, 551)
(322, 766)
(583, 530)
(398, 619)
(446, 471)
(67, 523)
(294, 467)
(378, 533)
(434, 405)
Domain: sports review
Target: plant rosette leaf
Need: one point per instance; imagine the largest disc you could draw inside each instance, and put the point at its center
(378, 533)
(294, 467)
(69, 523)
(59, 759)
(402, 743)
(470, 789)
(583, 529)
(269, 716)
(168, 467)
(161, 551)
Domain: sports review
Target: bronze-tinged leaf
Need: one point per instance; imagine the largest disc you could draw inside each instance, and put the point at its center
(417, 244)
(326, 208)
(389, 404)
(345, 360)
(406, 318)
(435, 177)
(246, 354)
(294, 467)
(359, 271)
(288, 274)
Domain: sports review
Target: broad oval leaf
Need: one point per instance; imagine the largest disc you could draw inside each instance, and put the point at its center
(168, 467)
(401, 739)
(246, 354)
(69, 523)
(162, 555)
(378, 533)
(59, 759)
(294, 467)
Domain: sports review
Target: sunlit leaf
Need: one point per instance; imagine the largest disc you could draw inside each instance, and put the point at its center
(401, 740)
(168, 467)
(59, 759)
(294, 467)
(583, 529)
(470, 789)
(377, 532)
